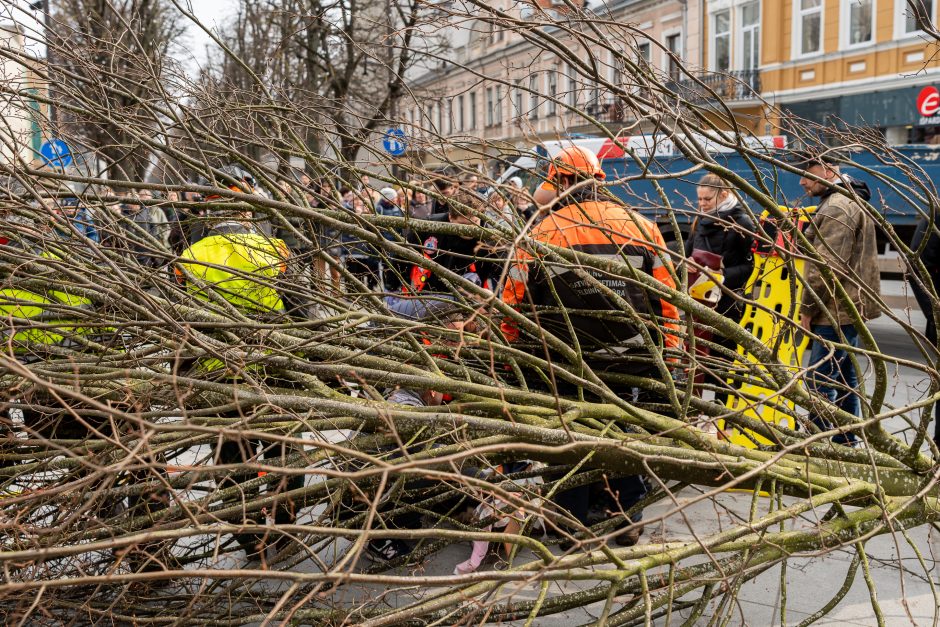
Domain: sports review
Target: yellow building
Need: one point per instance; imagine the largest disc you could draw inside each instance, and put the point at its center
(859, 62)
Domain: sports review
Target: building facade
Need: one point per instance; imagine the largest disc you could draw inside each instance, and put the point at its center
(857, 62)
(498, 90)
(21, 133)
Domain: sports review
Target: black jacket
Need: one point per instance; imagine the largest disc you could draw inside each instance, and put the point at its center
(930, 256)
(729, 234)
(457, 254)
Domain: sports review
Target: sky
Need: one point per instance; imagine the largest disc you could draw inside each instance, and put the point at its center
(213, 14)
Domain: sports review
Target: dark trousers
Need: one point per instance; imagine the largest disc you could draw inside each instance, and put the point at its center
(926, 306)
(105, 509)
(394, 510)
(733, 313)
(626, 491)
(366, 269)
(62, 425)
(834, 377)
(241, 451)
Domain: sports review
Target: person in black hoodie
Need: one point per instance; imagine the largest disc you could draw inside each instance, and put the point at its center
(447, 187)
(724, 227)
(468, 257)
(930, 256)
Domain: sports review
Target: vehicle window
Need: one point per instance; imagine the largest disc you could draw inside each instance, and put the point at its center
(531, 179)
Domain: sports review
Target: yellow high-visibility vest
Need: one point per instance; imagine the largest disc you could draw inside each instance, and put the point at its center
(32, 317)
(240, 267)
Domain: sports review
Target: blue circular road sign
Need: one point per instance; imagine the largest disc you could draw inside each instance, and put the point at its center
(394, 142)
(56, 153)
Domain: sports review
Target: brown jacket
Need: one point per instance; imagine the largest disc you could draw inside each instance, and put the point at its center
(844, 236)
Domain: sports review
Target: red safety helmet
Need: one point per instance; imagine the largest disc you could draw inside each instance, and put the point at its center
(576, 161)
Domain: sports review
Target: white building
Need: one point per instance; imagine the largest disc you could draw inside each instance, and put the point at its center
(21, 131)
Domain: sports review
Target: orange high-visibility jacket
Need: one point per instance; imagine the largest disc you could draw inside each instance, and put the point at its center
(604, 229)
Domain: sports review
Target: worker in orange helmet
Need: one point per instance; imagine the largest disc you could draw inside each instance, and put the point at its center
(574, 158)
(588, 219)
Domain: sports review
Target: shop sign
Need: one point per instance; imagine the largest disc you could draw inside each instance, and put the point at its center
(928, 106)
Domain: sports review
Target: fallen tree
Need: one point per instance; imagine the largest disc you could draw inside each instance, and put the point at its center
(122, 386)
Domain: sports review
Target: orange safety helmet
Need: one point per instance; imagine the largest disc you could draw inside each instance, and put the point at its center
(576, 161)
(238, 174)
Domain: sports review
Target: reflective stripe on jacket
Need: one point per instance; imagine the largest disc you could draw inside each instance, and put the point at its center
(604, 229)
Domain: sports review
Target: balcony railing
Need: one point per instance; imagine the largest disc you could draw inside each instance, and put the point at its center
(729, 86)
(609, 112)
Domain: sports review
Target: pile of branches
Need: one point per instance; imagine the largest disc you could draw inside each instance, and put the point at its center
(119, 400)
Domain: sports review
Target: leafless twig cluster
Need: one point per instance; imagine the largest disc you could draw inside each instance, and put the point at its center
(172, 454)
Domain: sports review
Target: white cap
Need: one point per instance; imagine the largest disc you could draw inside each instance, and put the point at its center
(516, 182)
(389, 193)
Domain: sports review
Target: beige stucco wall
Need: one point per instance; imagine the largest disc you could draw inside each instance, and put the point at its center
(493, 60)
(19, 135)
(886, 59)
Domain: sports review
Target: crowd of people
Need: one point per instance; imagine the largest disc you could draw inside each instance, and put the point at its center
(639, 334)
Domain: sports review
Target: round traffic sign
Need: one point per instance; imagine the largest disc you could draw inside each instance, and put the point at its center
(394, 142)
(56, 153)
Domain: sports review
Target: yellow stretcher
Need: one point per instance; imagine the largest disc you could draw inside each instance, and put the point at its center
(774, 299)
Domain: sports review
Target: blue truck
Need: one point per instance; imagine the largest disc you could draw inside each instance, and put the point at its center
(678, 176)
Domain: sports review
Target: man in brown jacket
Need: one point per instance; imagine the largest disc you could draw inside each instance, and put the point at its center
(843, 235)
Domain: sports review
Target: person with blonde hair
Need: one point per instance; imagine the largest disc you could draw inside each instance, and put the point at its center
(723, 228)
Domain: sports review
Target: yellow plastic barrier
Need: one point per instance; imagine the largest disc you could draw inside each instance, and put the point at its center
(774, 297)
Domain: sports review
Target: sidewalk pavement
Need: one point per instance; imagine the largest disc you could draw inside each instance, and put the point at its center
(902, 581)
